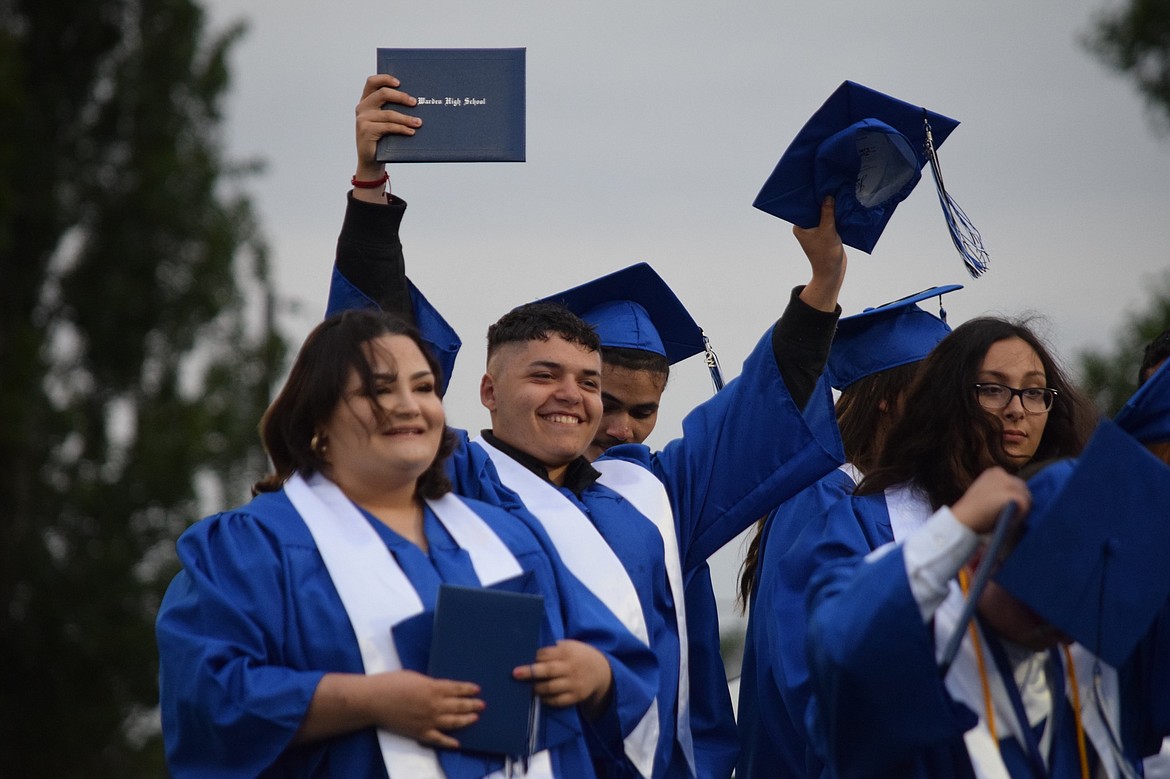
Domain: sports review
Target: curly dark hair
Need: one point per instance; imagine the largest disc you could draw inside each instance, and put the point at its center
(943, 438)
(537, 322)
(317, 382)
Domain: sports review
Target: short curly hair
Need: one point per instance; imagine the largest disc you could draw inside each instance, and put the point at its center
(537, 322)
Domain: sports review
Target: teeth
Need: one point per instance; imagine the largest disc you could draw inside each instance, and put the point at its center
(562, 419)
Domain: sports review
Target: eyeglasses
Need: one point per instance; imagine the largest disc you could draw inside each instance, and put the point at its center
(1035, 400)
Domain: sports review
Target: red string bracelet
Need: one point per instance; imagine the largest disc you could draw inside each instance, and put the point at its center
(374, 184)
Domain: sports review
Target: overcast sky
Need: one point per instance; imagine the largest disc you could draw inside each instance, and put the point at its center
(652, 125)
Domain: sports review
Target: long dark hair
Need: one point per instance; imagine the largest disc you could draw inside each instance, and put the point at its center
(317, 382)
(943, 438)
(865, 410)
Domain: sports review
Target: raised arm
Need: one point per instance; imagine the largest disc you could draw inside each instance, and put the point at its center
(801, 339)
(769, 433)
(369, 269)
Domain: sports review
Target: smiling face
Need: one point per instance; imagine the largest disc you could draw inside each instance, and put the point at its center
(544, 398)
(368, 449)
(630, 399)
(1014, 363)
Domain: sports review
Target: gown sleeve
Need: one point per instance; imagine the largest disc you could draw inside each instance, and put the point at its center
(369, 271)
(225, 677)
(879, 704)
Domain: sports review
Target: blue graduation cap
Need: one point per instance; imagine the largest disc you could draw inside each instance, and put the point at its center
(435, 331)
(867, 150)
(634, 308)
(1092, 555)
(1146, 415)
(893, 334)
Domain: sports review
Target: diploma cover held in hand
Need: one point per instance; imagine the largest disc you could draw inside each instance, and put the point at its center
(480, 635)
(471, 102)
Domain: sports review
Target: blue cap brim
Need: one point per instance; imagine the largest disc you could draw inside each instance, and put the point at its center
(885, 337)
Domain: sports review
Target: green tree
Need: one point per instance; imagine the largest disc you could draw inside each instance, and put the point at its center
(1110, 377)
(133, 361)
(1135, 40)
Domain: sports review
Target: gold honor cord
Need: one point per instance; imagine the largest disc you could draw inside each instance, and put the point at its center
(988, 707)
(1082, 751)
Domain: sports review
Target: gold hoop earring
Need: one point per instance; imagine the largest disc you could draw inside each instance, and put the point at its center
(318, 444)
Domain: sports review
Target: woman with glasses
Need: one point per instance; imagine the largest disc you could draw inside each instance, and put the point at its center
(989, 400)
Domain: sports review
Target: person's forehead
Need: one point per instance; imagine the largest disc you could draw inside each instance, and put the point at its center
(390, 349)
(554, 349)
(632, 378)
(1012, 353)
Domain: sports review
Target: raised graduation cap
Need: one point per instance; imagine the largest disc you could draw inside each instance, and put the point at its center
(471, 102)
(480, 635)
(884, 337)
(1091, 558)
(634, 308)
(1146, 415)
(867, 150)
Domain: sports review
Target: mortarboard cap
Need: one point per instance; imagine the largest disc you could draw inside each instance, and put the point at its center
(885, 337)
(634, 308)
(1146, 415)
(867, 150)
(435, 331)
(1091, 559)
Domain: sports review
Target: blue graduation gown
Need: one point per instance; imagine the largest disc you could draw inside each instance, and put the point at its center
(253, 621)
(881, 709)
(774, 687)
(742, 452)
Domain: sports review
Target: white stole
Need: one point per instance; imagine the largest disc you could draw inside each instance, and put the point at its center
(590, 559)
(647, 494)
(908, 507)
(965, 685)
(377, 595)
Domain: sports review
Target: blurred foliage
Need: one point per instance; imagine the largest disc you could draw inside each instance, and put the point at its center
(136, 355)
(1111, 377)
(1133, 37)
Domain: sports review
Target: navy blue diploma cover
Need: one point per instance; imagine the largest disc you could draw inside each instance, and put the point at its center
(471, 102)
(480, 635)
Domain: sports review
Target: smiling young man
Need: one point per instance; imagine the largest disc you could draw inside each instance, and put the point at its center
(635, 526)
(543, 390)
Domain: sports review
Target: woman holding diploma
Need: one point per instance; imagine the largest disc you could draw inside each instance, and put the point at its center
(287, 643)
